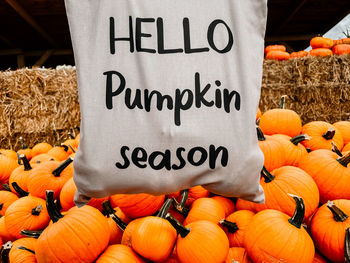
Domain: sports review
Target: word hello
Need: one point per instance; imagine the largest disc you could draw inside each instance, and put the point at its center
(158, 160)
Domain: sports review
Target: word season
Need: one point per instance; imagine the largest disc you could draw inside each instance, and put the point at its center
(183, 99)
(158, 160)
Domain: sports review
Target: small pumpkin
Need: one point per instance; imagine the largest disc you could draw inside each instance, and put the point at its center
(6, 199)
(7, 165)
(344, 129)
(321, 42)
(21, 174)
(242, 204)
(119, 254)
(60, 152)
(299, 54)
(41, 158)
(277, 55)
(227, 204)
(341, 49)
(25, 150)
(4, 234)
(41, 148)
(237, 254)
(321, 52)
(275, 47)
(20, 251)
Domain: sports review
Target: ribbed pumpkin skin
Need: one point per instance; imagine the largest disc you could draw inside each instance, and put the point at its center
(328, 234)
(344, 129)
(242, 204)
(237, 254)
(119, 254)
(9, 153)
(321, 42)
(59, 153)
(41, 148)
(6, 199)
(293, 153)
(227, 204)
(273, 151)
(206, 242)
(137, 205)
(41, 158)
(7, 165)
(154, 238)
(331, 177)
(280, 121)
(22, 256)
(289, 180)
(127, 235)
(242, 219)
(4, 234)
(319, 259)
(19, 216)
(315, 130)
(205, 209)
(271, 238)
(80, 236)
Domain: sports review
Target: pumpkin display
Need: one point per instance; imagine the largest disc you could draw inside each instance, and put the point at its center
(275, 47)
(299, 54)
(328, 228)
(25, 150)
(321, 42)
(21, 174)
(41, 158)
(128, 230)
(273, 236)
(277, 55)
(41, 148)
(7, 165)
(321, 52)
(6, 199)
(242, 204)
(4, 234)
(344, 129)
(84, 240)
(237, 254)
(20, 251)
(330, 172)
(227, 204)
(60, 152)
(119, 254)
(341, 49)
(116, 230)
(280, 121)
(9, 153)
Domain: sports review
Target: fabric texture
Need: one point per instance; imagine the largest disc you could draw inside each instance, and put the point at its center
(168, 94)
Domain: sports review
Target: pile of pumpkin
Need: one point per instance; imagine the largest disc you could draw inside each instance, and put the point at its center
(321, 47)
(305, 219)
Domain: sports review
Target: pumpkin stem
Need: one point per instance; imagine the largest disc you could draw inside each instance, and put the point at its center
(71, 135)
(165, 208)
(180, 207)
(180, 229)
(267, 175)
(5, 250)
(347, 245)
(1, 206)
(37, 210)
(338, 214)
(19, 159)
(344, 160)
(300, 138)
(26, 249)
(282, 104)
(70, 146)
(231, 226)
(25, 162)
(19, 190)
(65, 147)
(54, 213)
(329, 134)
(299, 213)
(23, 145)
(33, 234)
(107, 208)
(261, 136)
(6, 187)
(336, 150)
(62, 166)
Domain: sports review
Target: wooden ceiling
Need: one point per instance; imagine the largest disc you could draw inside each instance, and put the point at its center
(35, 32)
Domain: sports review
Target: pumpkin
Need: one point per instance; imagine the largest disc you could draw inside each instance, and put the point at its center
(342, 41)
(328, 228)
(344, 129)
(341, 49)
(27, 213)
(319, 259)
(274, 237)
(116, 232)
(41, 158)
(322, 134)
(154, 237)
(7, 165)
(284, 180)
(4, 234)
(330, 172)
(275, 47)
(84, 240)
(277, 55)
(20, 251)
(321, 42)
(237, 254)
(236, 224)
(205, 209)
(60, 152)
(201, 242)
(21, 174)
(321, 52)
(293, 149)
(6, 199)
(272, 149)
(190, 195)
(49, 176)
(72, 144)
(119, 253)
(67, 197)
(299, 54)
(41, 148)
(137, 205)
(258, 115)
(25, 150)
(280, 121)
(346, 148)
(127, 234)
(242, 204)
(9, 153)
(227, 204)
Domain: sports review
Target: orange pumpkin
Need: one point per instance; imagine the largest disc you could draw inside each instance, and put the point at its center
(319, 259)
(201, 241)
(280, 121)
(227, 204)
(236, 225)
(4, 234)
(6, 199)
(7, 165)
(346, 148)
(321, 52)
(21, 175)
(342, 41)
(116, 231)
(321, 42)
(284, 180)
(25, 150)
(277, 55)
(9, 153)
(242, 204)
(258, 115)
(119, 254)
(27, 213)
(330, 172)
(322, 134)
(341, 49)
(275, 47)
(84, 240)
(22, 250)
(49, 176)
(60, 152)
(41, 148)
(127, 235)
(137, 205)
(328, 228)
(344, 128)
(274, 237)
(237, 254)
(299, 54)
(188, 196)
(41, 158)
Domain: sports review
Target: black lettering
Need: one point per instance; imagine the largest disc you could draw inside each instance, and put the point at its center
(187, 39)
(228, 96)
(179, 105)
(214, 153)
(126, 160)
(137, 100)
(160, 38)
(199, 95)
(136, 159)
(113, 39)
(181, 159)
(210, 35)
(160, 100)
(140, 35)
(109, 87)
(165, 160)
(202, 159)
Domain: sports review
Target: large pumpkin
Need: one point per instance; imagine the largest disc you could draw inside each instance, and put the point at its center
(119, 254)
(41, 148)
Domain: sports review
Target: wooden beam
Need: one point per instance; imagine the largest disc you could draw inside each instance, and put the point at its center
(20, 61)
(35, 53)
(44, 57)
(7, 41)
(10, 52)
(276, 38)
(30, 20)
(291, 16)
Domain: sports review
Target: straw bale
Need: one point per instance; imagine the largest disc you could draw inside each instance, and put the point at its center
(42, 104)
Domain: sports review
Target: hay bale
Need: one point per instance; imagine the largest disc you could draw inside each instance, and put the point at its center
(42, 104)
